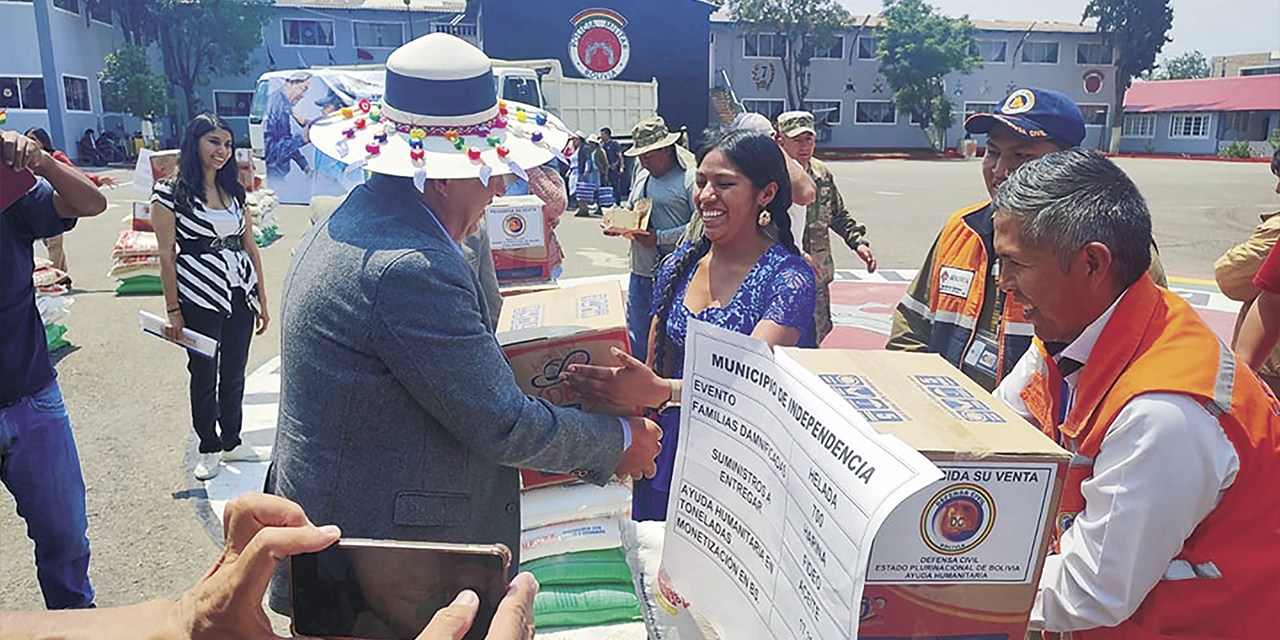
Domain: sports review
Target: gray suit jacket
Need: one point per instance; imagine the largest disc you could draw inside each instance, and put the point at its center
(399, 416)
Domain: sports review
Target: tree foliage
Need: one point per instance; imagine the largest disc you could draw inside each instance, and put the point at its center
(1187, 66)
(202, 38)
(129, 86)
(807, 25)
(137, 18)
(917, 48)
(1138, 29)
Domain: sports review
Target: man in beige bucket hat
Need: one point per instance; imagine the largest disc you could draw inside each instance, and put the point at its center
(665, 179)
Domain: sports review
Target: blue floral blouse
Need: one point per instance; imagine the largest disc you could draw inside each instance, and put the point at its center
(780, 287)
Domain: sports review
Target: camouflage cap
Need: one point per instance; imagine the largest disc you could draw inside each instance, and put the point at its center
(650, 134)
(794, 123)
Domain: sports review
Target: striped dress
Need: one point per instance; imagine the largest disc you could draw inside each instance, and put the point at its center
(211, 257)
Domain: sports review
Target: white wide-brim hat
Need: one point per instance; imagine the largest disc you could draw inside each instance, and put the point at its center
(439, 117)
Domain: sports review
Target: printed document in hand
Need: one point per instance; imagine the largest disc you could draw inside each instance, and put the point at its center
(778, 490)
(197, 342)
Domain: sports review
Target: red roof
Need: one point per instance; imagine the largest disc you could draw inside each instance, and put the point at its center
(1246, 93)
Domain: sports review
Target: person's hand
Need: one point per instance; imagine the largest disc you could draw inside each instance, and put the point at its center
(513, 620)
(817, 272)
(107, 181)
(646, 441)
(20, 152)
(263, 319)
(645, 238)
(864, 252)
(260, 530)
(631, 384)
(174, 325)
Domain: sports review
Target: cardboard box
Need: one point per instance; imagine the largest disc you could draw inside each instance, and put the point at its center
(963, 556)
(619, 219)
(164, 164)
(244, 170)
(141, 217)
(544, 332)
(523, 250)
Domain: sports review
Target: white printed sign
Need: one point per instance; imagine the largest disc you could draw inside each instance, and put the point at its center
(515, 223)
(982, 522)
(777, 493)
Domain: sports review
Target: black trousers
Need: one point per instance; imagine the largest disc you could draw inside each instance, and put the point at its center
(217, 384)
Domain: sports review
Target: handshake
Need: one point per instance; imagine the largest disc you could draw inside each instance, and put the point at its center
(646, 441)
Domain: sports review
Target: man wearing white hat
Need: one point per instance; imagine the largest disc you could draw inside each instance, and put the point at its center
(399, 416)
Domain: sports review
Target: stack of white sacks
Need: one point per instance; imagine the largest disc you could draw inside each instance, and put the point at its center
(573, 543)
(52, 302)
(260, 205)
(135, 262)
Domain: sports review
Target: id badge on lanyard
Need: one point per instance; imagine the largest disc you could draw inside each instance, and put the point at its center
(984, 353)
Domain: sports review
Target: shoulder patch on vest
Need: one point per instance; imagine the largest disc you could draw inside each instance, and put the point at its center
(955, 282)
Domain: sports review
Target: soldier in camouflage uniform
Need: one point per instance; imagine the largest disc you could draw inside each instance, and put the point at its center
(827, 213)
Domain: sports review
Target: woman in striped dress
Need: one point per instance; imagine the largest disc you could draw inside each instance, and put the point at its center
(213, 283)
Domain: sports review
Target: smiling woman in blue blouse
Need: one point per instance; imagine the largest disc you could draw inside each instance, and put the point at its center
(213, 283)
(744, 274)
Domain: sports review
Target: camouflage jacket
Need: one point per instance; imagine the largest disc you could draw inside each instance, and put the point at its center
(828, 212)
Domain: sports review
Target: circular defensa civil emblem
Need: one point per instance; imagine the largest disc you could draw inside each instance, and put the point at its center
(957, 519)
(1020, 101)
(514, 225)
(599, 46)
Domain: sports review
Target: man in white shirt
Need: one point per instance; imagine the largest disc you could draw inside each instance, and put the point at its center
(1169, 524)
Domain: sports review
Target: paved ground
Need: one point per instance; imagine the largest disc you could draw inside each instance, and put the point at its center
(149, 521)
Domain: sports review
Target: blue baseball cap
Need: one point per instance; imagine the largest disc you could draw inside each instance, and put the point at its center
(1034, 114)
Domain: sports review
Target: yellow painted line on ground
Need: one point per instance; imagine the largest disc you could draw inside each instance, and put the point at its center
(1199, 281)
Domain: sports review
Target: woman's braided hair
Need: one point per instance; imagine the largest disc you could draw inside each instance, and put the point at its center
(760, 159)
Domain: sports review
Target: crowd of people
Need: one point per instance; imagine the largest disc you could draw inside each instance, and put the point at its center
(1049, 294)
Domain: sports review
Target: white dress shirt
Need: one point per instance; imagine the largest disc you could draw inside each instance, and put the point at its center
(1163, 465)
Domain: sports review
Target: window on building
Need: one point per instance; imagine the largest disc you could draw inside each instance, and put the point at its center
(1189, 125)
(867, 47)
(827, 111)
(100, 11)
(875, 112)
(1138, 125)
(990, 50)
(770, 109)
(971, 108)
(1093, 53)
(9, 98)
(30, 92)
(833, 52)
(1095, 115)
(77, 90)
(1236, 122)
(378, 34)
(318, 33)
(68, 5)
(1040, 52)
(1259, 71)
(764, 45)
(233, 104)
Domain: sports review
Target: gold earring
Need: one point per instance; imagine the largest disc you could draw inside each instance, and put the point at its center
(765, 218)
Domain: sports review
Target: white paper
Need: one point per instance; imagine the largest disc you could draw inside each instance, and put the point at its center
(193, 341)
(515, 223)
(778, 490)
(142, 180)
(982, 522)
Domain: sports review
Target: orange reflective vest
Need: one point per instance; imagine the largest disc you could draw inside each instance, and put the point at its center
(957, 289)
(1225, 582)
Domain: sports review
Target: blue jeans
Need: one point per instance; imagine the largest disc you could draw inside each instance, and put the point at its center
(40, 467)
(639, 303)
